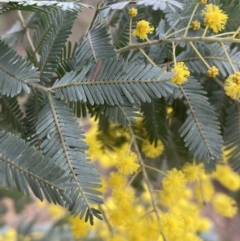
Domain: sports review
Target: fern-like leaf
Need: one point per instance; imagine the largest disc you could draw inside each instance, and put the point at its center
(175, 151)
(161, 4)
(232, 135)
(154, 119)
(67, 60)
(107, 81)
(50, 39)
(62, 141)
(94, 47)
(214, 55)
(121, 33)
(124, 114)
(15, 72)
(31, 5)
(32, 108)
(22, 165)
(201, 129)
(12, 113)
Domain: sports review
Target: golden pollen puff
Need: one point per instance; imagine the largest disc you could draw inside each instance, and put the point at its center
(196, 25)
(213, 71)
(182, 73)
(133, 12)
(143, 28)
(202, 1)
(215, 18)
(236, 78)
(232, 86)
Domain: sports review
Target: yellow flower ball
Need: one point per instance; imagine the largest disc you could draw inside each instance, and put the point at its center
(225, 205)
(123, 197)
(227, 177)
(193, 171)
(196, 25)
(214, 17)
(174, 180)
(127, 163)
(213, 71)
(152, 151)
(143, 29)
(232, 86)
(182, 73)
(171, 225)
(132, 12)
(202, 1)
(117, 180)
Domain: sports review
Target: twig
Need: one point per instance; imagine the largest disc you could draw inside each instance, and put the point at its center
(26, 29)
(145, 176)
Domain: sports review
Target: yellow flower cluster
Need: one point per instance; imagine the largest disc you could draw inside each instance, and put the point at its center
(196, 25)
(182, 73)
(143, 29)
(227, 177)
(129, 214)
(214, 18)
(183, 219)
(127, 163)
(152, 151)
(202, 1)
(225, 205)
(133, 12)
(232, 86)
(213, 71)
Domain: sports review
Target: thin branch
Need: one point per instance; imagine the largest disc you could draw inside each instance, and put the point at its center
(155, 169)
(228, 58)
(133, 177)
(145, 176)
(199, 55)
(190, 20)
(110, 228)
(65, 149)
(26, 29)
(177, 40)
(147, 57)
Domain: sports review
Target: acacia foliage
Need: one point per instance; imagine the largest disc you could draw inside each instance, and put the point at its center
(107, 77)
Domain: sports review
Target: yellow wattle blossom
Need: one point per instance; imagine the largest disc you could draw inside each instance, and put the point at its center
(56, 211)
(132, 12)
(9, 235)
(225, 205)
(123, 197)
(117, 238)
(214, 17)
(193, 171)
(202, 1)
(127, 163)
(195, 25)
(171, 225)
(203, 224)
(204, 191)
(150, 150)
(232, 86)
(227, 177)
(213, 71)
(189, 236)
(78, 227)
(174, 180)
(150, 229)
(182, 73)
(170, 197)
(143, 29)
(117, 180)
